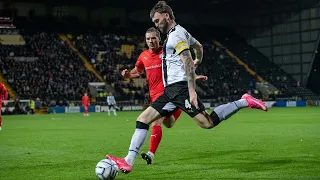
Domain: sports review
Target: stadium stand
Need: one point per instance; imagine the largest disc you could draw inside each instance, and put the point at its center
(45, 67)
(288, 86)
(227, 80)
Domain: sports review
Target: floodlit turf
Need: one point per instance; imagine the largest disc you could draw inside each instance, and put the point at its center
(281, 144)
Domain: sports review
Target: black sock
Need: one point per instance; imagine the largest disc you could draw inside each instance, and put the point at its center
(215, 118)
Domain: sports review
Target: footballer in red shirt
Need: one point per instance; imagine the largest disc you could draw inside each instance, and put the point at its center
(150, 61)
(4, 96)
(85, 104)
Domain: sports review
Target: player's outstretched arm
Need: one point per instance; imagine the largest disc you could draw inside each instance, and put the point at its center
(198, 50)
(134, 73)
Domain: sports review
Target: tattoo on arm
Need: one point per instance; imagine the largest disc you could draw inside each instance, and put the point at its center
(189, 68)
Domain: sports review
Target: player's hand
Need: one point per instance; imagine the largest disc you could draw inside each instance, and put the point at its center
(196, 62)
(5, 103)
(125, 73)
(201, 77)
(194, 98)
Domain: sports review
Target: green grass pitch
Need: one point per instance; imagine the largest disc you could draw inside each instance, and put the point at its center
(283, 143)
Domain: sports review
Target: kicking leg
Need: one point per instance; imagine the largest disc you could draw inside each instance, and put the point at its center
(223, 112)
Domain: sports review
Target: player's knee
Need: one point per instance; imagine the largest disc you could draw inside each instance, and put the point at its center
(144, 119)
(141, 119)
(204, 121)
(168, 124)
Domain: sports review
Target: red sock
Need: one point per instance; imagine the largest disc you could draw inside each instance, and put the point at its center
(155, 138)
(0, 120)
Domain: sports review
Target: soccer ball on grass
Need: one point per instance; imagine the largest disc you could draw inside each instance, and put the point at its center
(107, 169)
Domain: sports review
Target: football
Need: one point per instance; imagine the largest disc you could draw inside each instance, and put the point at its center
(106, 169)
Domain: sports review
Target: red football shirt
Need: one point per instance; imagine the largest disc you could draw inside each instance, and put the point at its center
(3, 92)
(152, 64)
(85, 100)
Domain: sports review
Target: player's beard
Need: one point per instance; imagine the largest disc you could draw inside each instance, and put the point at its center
(165, 27)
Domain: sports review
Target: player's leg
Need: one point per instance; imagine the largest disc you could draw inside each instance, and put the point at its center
(142, 127)
(156, 134)
(155, 139)
(86, 111)
(137, 140)
(109, 107)
(225, 111)
(160, 107)
(114, 110)
(220, 113)
(170, 121)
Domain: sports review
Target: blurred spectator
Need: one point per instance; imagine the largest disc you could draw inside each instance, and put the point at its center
(44, 67)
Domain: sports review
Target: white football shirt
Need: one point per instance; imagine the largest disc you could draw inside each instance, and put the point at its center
(111, 100)
(178, 40)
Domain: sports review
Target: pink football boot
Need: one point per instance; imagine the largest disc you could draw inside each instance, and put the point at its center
(254, 103)
(121, 163)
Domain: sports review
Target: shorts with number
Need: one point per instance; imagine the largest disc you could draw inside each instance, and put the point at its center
(176, 96)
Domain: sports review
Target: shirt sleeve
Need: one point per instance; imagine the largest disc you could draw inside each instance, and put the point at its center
(139, 63)
(192, 40)
(182, 41)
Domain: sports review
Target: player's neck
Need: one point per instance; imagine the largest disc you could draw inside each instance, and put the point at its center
(172, 25)
(154, 50)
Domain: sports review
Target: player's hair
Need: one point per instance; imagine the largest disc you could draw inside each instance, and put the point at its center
(162, 7)
(152, 29)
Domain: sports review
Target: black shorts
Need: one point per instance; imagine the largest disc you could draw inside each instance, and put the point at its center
(111, 106)
(176, 96)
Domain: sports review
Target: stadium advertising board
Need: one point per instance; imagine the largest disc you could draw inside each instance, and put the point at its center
(75, 109)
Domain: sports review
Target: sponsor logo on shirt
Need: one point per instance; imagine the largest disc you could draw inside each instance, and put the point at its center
(154, 66)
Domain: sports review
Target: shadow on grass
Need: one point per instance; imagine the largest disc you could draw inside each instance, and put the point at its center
(247, 162)
(209, 155)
